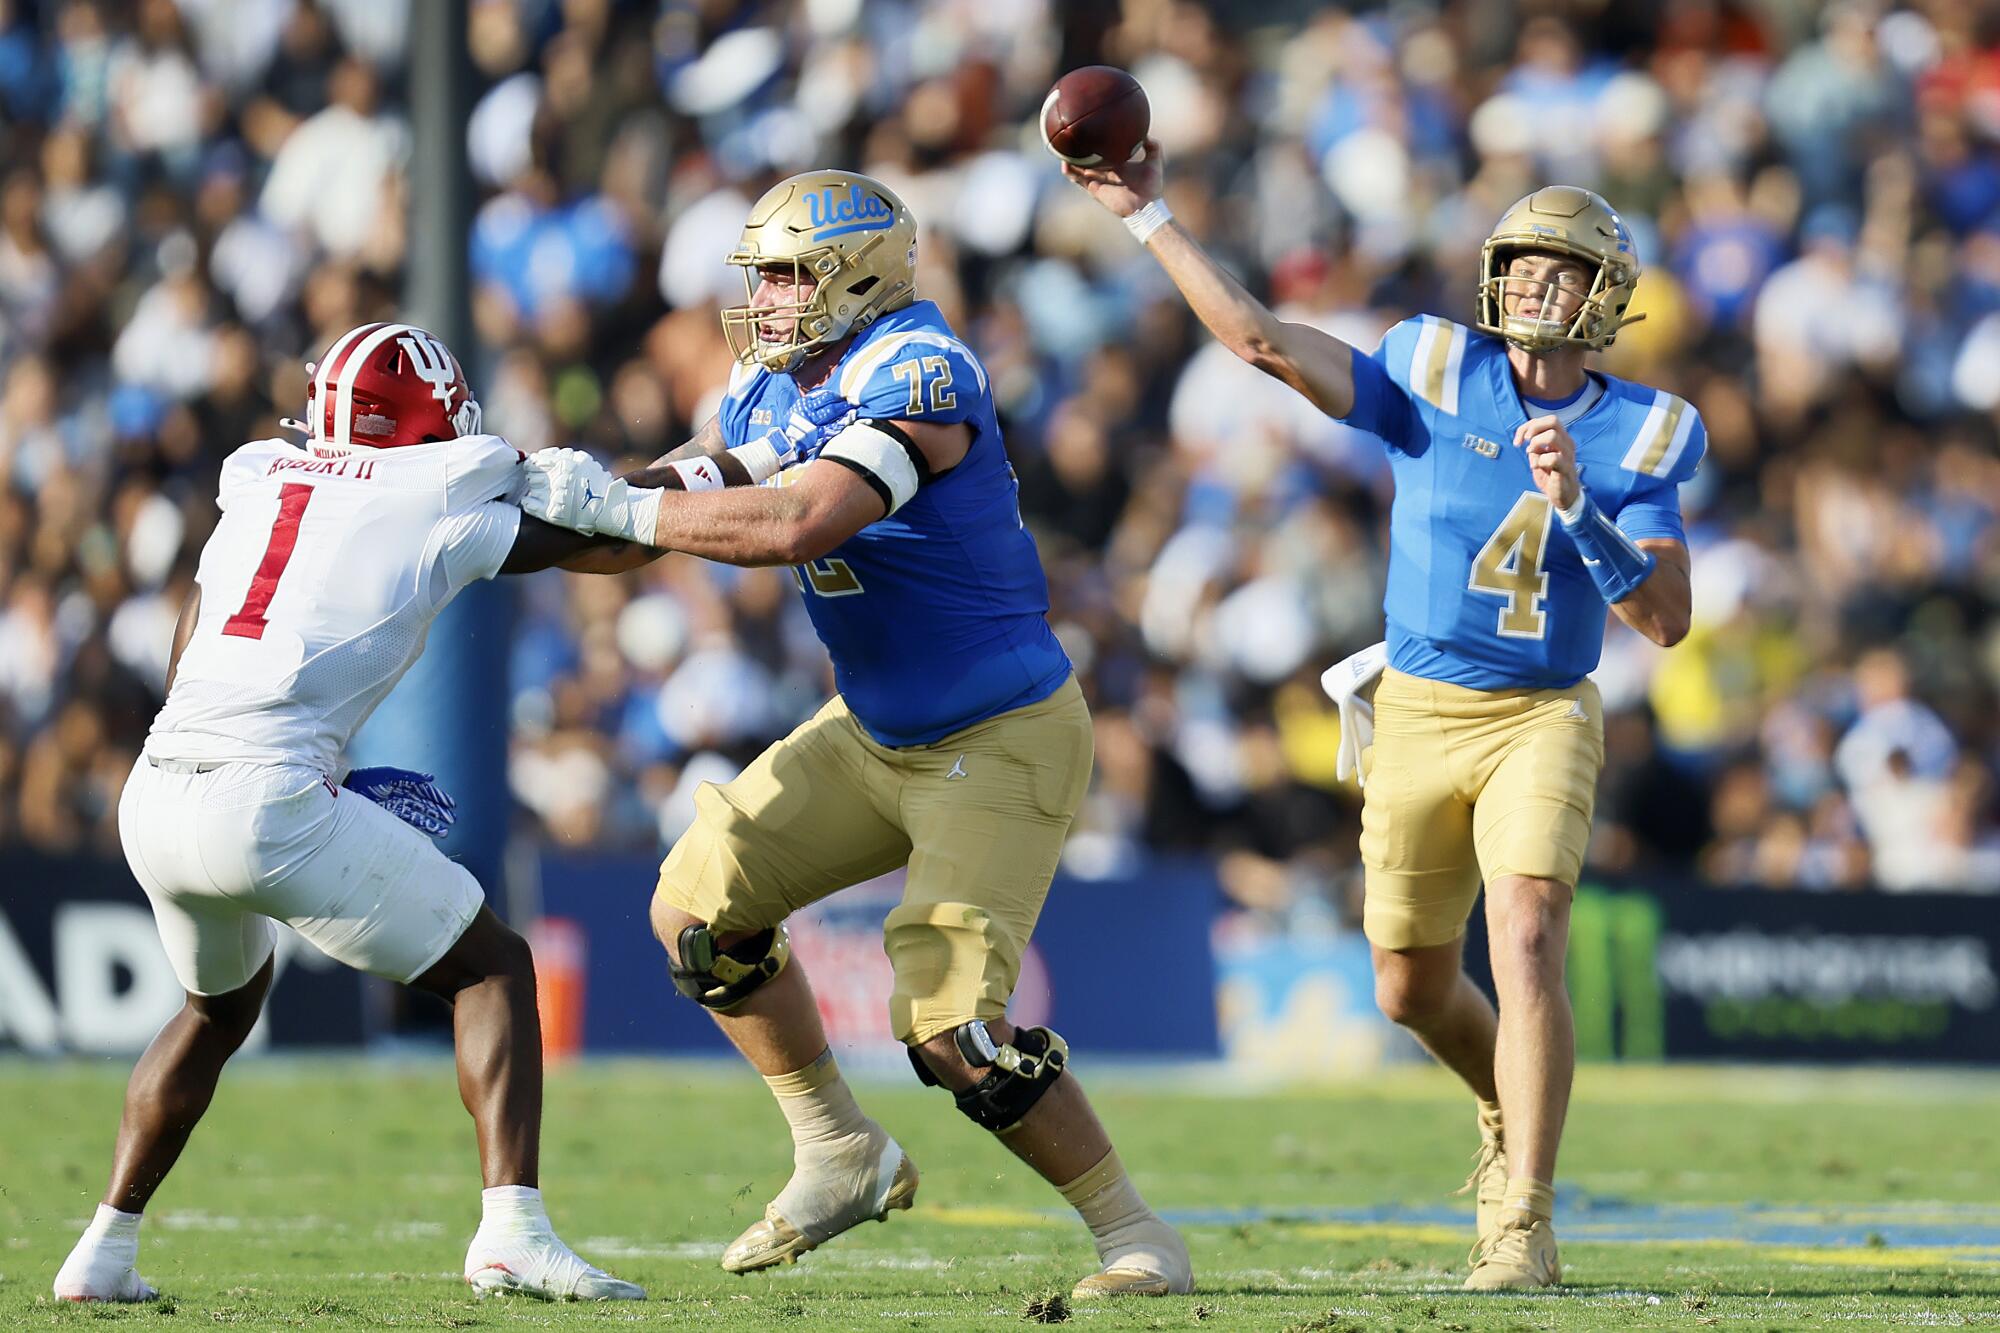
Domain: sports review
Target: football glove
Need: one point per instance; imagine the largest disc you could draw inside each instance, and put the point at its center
(569, 488)
(816, 418)
(414, 798)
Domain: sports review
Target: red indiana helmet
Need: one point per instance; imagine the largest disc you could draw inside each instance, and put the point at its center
(384, 386)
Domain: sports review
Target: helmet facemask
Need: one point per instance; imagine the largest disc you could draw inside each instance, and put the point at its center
(848, 236)
(816, 319)
(1569, 223)
(1593, 322)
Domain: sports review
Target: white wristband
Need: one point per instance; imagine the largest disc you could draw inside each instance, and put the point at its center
(1148, 220)
(759, 458)
(698, 474)
(1574, 514)
(635, 520)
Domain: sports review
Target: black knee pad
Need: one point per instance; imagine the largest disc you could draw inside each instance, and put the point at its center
(719, 978)
(1018, 1074)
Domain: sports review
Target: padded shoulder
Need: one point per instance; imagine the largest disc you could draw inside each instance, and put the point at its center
(1429, 357)
(914, 374)
(245, 466)
(1667, 437)
(479, 468)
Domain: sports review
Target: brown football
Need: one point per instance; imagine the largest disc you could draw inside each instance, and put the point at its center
(1095, 116)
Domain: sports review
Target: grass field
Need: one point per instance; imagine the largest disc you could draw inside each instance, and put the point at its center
(342, 1195)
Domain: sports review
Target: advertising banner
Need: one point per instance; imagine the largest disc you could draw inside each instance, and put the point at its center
(81, 967)
(1119, 965)
(1687, 971)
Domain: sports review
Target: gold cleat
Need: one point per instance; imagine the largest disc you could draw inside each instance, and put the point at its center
(1121, 1282)
(1488, 1181)
(772, 1240)
(1517, 1255)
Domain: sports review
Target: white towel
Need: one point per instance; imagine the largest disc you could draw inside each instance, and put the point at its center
(1350, 683)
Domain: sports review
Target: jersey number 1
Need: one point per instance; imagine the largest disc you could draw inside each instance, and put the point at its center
(1510, 566)
(248, 622)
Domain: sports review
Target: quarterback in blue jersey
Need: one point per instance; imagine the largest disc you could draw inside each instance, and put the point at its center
(1531, 492)
(958, 746)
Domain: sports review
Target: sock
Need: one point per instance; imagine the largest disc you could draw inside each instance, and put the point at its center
(109, 1224)
(1108, 1202)
(1533, 1199)
(816, 1102)
(512, 1210)
(1489, 1119)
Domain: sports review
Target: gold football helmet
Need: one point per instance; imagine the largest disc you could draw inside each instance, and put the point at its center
(1577, 224)
(853, 238)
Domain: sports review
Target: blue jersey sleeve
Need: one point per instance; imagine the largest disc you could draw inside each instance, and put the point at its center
(1652, 507)
(1384, 404)
(732, 415)
(915, 375)
(1382, 407)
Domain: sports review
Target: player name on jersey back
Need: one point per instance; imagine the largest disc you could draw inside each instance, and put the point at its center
(319, 586)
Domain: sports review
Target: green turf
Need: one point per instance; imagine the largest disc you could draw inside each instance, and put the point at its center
(342, 1195)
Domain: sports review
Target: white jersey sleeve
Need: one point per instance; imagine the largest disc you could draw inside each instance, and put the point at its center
(481, 468)
(473, 544)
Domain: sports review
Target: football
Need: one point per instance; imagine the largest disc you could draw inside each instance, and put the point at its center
(1095, 115)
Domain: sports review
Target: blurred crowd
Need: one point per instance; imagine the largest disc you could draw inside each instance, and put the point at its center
(197, 195)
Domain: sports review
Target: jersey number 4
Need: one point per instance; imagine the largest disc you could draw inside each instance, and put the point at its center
(1510, 566)
(249, 622)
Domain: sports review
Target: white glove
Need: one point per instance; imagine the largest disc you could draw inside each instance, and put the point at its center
(569, 488)
(1350, 683)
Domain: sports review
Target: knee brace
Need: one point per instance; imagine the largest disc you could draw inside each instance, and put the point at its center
(720, 978)
(1019, 1073)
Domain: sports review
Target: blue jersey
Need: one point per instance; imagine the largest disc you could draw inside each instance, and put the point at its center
(1485, 588)
(937, 616)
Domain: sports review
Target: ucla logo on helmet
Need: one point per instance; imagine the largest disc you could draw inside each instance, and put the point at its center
(832, 215)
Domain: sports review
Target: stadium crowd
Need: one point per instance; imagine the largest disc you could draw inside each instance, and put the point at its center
(197, 195)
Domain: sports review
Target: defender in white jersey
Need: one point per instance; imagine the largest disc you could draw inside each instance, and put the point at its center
(313, 596)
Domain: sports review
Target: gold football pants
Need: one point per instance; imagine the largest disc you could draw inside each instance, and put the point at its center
(1467, 785)
(979, 817)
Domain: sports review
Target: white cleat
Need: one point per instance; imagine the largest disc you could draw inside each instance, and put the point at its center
(869, 1177)
(543, 1267)
(1152, 1260)
(103, 1271)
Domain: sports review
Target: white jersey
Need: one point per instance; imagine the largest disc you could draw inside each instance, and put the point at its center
(319, 585)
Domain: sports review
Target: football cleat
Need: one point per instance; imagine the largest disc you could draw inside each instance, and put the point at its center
(1488, 1181)
(1519, 1254)
(1151, 1260)
(542, 1267)
(887, 1175)
(103, 1270)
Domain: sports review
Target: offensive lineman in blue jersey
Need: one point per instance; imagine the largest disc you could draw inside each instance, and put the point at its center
(958, 744)
(1530, 493)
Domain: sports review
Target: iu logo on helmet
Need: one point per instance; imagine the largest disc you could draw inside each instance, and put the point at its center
(432, 362)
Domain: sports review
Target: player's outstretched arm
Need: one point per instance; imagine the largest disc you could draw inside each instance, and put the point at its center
(704, 443)
(1316, 364)
(861, 476)
(540, 545)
